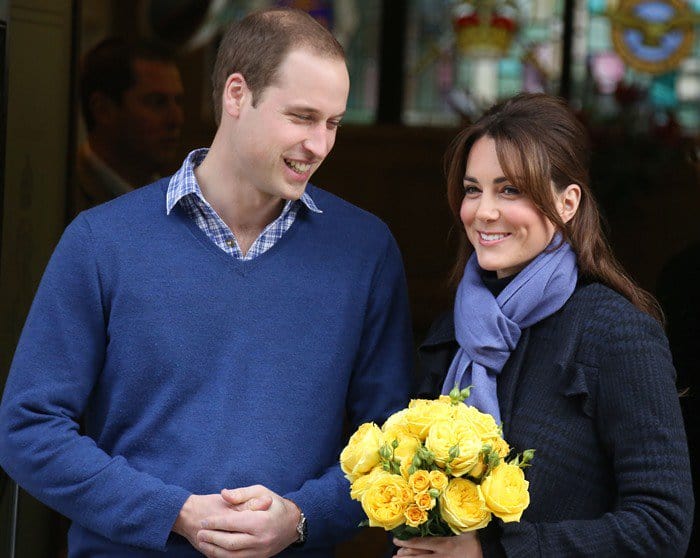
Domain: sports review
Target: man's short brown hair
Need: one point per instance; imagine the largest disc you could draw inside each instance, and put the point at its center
(256, 46)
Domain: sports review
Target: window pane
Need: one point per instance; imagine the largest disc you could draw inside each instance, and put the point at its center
(639, 61)
(462, 56)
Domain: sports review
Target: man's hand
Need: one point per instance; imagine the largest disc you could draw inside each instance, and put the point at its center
(196, 508)
(253, 531)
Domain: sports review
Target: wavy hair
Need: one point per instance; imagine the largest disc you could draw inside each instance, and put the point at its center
(540, 143)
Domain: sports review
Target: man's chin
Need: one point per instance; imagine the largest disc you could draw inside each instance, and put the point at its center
(294, 196)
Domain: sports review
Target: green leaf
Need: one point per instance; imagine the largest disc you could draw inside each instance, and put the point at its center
(404, 532)
(385, 451)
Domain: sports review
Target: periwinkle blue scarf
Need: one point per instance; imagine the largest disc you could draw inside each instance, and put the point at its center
(488, 328)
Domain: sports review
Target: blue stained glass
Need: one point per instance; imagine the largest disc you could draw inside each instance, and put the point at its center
(662, 92)
(597, 6)
(654, 53)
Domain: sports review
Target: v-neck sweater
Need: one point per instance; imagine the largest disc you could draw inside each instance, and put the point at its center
(194, 371)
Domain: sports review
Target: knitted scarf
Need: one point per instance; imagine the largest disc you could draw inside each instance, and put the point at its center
(488, 328)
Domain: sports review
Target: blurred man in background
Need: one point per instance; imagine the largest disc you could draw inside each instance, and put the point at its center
(131, 100)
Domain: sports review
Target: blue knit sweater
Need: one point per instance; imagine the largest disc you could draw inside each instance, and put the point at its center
(193, 371)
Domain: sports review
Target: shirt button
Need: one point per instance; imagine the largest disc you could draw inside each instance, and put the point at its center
(230, 242)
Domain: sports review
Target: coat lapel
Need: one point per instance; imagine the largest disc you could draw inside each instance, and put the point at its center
(508, 380)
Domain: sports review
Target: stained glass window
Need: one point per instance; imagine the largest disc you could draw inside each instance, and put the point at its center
(640, 62)
(461, 56)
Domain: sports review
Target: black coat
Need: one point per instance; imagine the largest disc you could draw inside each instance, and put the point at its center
(591, 389)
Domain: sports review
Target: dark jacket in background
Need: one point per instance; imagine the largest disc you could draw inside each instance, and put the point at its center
(591, 389)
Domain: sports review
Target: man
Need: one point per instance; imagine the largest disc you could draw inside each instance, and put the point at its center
(214, 330)
(131, 100)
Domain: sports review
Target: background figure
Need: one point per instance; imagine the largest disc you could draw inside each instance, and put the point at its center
(131, 101)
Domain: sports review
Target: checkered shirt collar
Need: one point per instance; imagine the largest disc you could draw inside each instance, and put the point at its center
(183, 182)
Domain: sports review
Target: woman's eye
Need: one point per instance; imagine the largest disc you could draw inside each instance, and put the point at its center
(470, 190)
(511, 191)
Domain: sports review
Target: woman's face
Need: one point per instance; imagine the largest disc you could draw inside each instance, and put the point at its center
(505, 228)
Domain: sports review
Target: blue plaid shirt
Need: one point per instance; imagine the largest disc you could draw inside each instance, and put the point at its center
(183, 189)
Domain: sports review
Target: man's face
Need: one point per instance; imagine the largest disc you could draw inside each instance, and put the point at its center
(279, 143)
(149, 120)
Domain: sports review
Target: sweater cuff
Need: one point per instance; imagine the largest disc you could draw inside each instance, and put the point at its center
(328, 521)
(173, 500)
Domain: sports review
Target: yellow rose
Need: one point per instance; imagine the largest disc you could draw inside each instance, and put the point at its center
(482, 423)
(396, 422)
(478, 469)
(419, 481)
(422, 413)
(385, 501)
(424, 500)
(446, 434)
(406, 450)
(438, 480)
(505, 492)
(415, 516)
(500, 446)
(462, 506)
(357, 488)
(361, 454)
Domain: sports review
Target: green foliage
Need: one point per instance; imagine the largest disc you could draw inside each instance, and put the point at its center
(388, 458)
(434, 527)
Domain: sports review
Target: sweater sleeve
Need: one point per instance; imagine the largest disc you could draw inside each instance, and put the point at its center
(380, 385)
(57, 362)
(641, 430)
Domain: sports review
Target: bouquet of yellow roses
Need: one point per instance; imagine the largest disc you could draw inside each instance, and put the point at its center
(437, 468)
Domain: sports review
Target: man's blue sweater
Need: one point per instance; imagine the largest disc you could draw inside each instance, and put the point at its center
(193, 371)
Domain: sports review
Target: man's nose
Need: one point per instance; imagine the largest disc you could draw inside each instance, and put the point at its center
(319, 140)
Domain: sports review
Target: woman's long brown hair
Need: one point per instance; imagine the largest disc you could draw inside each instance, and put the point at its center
(540, 142)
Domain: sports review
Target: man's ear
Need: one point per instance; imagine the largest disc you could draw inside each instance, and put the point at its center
(235, 94)
(568, 201)
(103, 109)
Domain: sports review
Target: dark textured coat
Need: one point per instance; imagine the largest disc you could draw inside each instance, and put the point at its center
(591, 389)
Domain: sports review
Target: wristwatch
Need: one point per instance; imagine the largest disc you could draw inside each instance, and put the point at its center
(302, 529)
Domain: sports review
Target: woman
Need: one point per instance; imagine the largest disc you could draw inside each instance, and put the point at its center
(560, 345)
